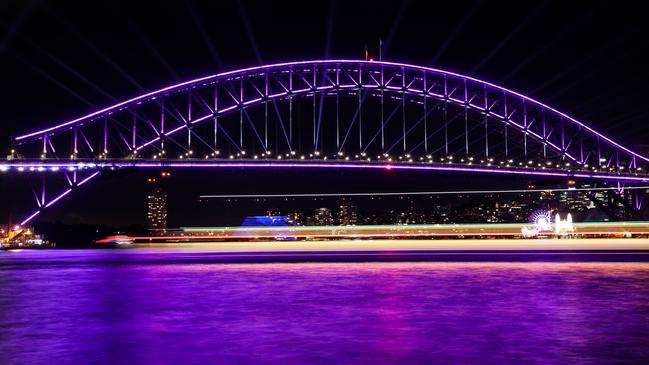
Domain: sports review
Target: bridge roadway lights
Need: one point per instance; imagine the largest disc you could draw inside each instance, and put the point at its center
(66, 165)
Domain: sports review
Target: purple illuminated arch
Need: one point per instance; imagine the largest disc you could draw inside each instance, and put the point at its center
(382, 66)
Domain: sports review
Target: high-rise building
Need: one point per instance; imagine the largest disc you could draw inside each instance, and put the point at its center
(156, 215)
(347, 214)
(323, 217)
(574, 201)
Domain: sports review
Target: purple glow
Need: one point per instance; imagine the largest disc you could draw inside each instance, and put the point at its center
(333, 62)
(252, 101)
(175, 130)
(88, 178)
(147, 143)
(58, 198)
(201, 119)
(272, 96)
(28, 219)
(53, 201)
(227, 109)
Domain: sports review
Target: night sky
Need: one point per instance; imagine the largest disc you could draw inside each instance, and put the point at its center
(60, 60)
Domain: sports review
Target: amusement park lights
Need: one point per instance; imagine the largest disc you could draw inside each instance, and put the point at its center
(543, 225)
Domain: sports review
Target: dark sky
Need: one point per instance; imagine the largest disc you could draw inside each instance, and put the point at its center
(63, 59)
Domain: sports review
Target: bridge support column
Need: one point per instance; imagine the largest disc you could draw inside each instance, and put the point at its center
(74, 181)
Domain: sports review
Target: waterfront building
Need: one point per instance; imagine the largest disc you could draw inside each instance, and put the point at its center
(347, 214)
(297, 218)
(323, 217)
(157, 210)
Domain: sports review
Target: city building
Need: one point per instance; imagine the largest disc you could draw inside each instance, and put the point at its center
(347, 214)
(23, 237)
(297, 218)
(156, 217)
(323, 217)
(575, 201)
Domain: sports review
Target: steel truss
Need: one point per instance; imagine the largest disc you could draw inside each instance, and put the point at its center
(428, 117)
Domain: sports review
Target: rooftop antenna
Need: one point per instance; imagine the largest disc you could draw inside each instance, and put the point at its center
(380, 50)
(366, 54)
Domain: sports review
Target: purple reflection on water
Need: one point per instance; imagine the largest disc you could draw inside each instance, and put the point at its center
(84, 307)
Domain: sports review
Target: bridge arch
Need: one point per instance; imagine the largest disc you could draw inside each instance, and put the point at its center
(510, 107)
(515, 133)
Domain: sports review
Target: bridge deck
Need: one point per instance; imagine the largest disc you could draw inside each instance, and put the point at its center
(37, 165)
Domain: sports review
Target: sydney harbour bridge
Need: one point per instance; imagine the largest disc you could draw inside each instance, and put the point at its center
(324, 114)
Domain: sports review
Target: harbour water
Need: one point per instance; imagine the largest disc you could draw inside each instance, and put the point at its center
(174, 306)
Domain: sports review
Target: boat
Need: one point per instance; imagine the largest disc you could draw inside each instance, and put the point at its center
(117, 240)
